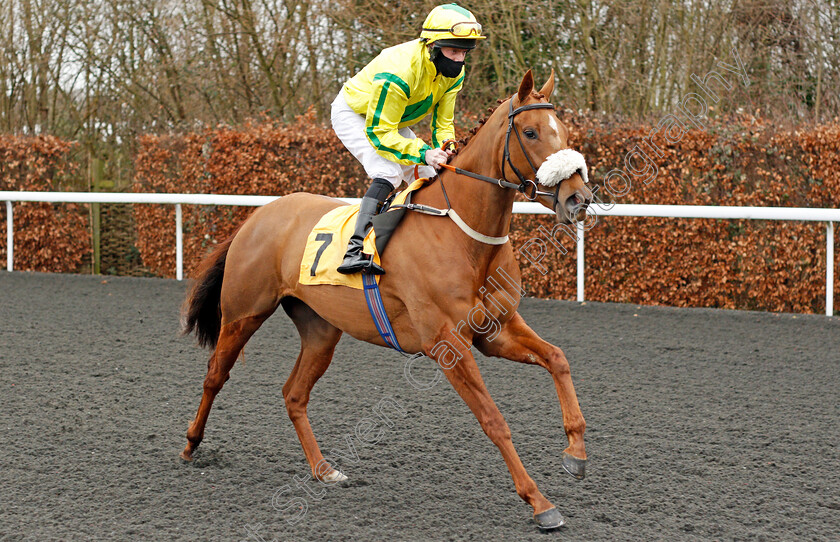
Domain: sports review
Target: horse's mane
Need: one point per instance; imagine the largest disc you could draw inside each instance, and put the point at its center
(462, 143)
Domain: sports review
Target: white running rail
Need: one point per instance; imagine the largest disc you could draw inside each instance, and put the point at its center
(829, 216)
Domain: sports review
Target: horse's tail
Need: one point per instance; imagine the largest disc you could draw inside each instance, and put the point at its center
(202, 311)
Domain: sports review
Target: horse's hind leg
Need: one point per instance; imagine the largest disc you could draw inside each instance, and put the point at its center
(317, 345)
(232, 339)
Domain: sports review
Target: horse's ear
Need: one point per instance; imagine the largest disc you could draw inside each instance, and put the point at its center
(526, 86)
(548, 88)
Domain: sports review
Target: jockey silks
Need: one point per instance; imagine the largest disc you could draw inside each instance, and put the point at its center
(397, 89)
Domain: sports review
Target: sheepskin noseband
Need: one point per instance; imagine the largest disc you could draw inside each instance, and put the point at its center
(560, 166)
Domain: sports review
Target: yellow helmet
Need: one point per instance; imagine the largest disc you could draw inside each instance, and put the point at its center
(450, 25)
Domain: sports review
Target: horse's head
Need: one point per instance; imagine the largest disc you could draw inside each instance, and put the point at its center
(537, 144)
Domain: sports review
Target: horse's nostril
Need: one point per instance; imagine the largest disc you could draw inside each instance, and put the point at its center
(577, 200)
(576, 205)
(582, 200)
(572, 205)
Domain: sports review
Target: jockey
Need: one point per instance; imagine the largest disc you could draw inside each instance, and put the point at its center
(372, 113)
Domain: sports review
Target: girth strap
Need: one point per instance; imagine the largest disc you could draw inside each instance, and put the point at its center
(377, 312)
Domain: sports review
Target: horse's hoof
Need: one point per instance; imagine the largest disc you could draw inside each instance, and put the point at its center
(574, 466)
(334, 477)
(550, 519)
(186, 456)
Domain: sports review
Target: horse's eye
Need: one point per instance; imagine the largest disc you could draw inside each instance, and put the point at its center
(530, 133)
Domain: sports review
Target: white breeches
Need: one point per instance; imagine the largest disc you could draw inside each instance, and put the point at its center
(349, 126)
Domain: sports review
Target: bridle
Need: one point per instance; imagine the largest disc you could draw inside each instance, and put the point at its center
(526, 186)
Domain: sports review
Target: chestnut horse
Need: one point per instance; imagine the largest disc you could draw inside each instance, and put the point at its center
(245, 279)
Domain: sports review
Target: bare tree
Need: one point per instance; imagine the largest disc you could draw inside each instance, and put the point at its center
(104, 71)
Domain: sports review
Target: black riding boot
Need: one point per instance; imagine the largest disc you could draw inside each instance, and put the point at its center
(354, 260)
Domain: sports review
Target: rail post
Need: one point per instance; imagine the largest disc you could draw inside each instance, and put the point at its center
(580, 261)
(10, 237)
(829, 269)
(97, 172)
(179, 243)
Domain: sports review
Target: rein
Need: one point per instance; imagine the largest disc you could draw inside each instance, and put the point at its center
(526, 186)
(456, 218)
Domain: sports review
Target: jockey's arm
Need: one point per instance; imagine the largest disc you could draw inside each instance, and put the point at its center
(385, 109)
(443, 115)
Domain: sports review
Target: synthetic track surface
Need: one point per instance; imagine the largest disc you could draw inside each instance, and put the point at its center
(701, 424)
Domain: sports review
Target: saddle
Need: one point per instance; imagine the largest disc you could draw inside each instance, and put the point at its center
(328, 240)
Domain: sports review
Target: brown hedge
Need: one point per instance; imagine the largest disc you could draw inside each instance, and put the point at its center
(47, 237)
(765, 265)
(713, 263)
(262, 159)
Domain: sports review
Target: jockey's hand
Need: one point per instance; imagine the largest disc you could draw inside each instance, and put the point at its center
(436, 157)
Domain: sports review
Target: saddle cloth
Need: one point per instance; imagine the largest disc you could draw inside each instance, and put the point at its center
(327, 242)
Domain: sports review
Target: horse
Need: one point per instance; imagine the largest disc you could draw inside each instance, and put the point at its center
(243, 281)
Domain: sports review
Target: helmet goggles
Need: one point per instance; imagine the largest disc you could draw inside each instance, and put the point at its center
(464, 29)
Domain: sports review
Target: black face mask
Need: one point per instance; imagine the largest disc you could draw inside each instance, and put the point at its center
(446, 66)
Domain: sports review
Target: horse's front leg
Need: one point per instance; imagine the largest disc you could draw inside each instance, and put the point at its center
(518, 342)
(462, 372)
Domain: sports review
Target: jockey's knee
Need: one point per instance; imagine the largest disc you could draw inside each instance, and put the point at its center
(379, 189)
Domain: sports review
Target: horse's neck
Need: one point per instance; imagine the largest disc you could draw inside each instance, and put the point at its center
(486, 207)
